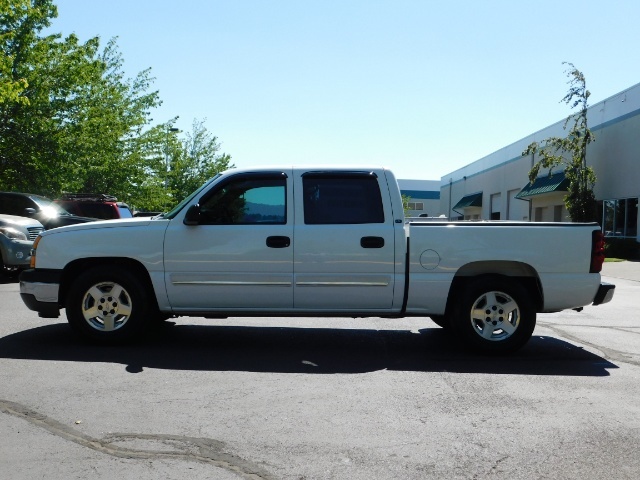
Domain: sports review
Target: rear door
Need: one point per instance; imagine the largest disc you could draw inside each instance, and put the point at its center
(344, 243)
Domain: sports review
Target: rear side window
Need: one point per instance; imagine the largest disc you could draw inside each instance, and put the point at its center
(105, 211)
(351, 198)
(15, 205)
(246, 201)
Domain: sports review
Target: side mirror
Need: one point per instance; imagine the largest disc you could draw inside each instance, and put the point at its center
(30, 211)
(192, 217)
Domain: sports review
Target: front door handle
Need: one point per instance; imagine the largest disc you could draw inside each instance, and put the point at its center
(278, 241)
(372, 242)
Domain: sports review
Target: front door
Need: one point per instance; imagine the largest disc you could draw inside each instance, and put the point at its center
(238, 255)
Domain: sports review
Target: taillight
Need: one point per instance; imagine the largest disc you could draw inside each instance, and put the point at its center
(597, 251)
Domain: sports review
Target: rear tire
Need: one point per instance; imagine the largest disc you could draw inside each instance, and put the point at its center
(108, 304)
(494, 315)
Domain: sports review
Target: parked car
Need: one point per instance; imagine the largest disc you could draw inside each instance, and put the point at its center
(16, 241)
(97, 205)
(40, 208)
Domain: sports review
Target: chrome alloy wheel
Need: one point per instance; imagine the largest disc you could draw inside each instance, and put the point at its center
(106, 306)
(495, 316)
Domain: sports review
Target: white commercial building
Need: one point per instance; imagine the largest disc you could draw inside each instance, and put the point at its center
(424, 197)
(497, 186)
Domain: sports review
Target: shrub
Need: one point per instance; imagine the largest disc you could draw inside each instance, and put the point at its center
(627, 248)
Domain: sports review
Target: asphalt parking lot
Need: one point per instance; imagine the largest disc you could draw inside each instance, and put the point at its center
(323, 399)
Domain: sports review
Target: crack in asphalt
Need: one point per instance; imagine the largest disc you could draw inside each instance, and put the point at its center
(203, 450)
(609, 353)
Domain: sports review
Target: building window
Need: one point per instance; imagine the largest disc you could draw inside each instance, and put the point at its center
(557, 213)
(416, 206)
(631, 226)
(495, 206)
(619, 217)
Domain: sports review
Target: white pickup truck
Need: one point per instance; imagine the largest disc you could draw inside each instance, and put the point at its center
(313, 242)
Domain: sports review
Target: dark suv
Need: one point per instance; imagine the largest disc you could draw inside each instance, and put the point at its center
(41, 208)
(97, 205)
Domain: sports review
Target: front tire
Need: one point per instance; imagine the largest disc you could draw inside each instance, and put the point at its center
(108, 304)
(494, 315)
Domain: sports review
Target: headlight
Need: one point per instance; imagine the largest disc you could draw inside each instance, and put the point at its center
(12, 233)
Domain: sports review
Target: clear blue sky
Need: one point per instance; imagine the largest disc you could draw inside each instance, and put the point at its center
(423, 87)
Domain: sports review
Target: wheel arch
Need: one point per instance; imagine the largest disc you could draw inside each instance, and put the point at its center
(521, 272)
(73, 269)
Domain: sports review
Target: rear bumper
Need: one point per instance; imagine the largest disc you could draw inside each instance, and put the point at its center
(604, 293)
(39, 291)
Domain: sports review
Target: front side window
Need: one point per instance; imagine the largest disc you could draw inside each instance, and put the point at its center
(342, 199)
(246, 201)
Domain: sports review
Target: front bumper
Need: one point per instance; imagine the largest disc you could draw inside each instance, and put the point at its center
(16, 253)
(604, 293)
(39, 291)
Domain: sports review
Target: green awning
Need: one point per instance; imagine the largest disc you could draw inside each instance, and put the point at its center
(472, 200)
(556, 182)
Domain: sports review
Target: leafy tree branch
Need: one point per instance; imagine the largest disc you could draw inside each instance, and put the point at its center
(570, 152)
(71, 121)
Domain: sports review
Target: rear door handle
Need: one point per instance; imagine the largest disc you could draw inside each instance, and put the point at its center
(372, 242)
(278, 242)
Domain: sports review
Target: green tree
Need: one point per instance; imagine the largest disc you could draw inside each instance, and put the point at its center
(175, 167)
(22, 139)
(150, 191)
(196, 159)
(405, 204)
(70, 121)
(106, 143)
(571, 152)
(80, 126)
(11, 86)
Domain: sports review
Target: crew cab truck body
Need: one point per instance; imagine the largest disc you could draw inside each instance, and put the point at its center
(313, 242)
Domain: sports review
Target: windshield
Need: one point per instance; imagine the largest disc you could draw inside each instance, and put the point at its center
(187, 200)
(47, 207)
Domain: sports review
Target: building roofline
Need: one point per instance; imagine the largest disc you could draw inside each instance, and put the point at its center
(474, 168)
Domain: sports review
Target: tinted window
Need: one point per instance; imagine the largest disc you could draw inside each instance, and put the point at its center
(16, 205)
(244, 201)
(99, 210)
(348, 199)
(93, 210)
